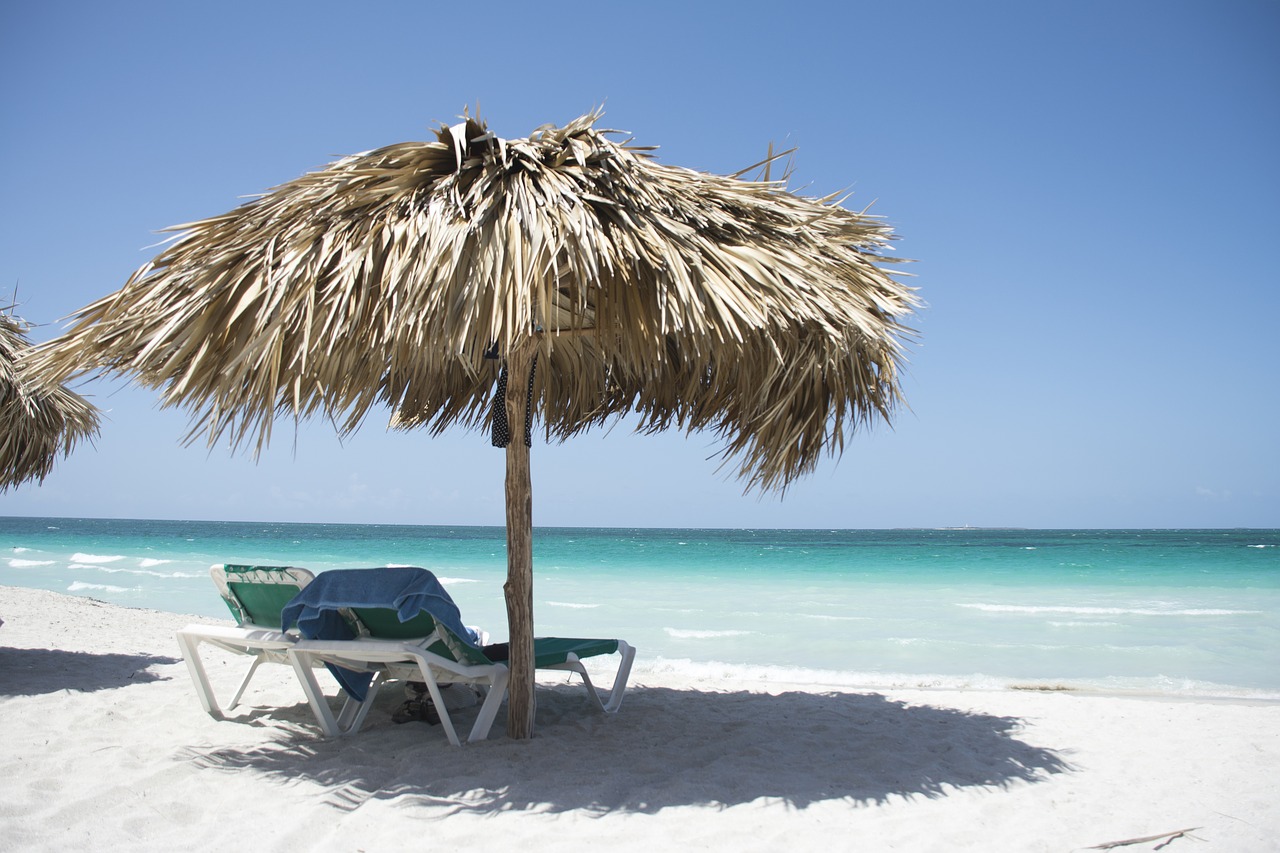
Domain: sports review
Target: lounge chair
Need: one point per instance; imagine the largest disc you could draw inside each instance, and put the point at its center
(407, 627)
(255, 595)
(416, 652)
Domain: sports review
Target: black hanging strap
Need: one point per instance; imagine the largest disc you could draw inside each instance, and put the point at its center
(501, 430)
(501, 435)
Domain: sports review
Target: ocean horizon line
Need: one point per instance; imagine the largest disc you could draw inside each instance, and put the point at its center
(472, 525)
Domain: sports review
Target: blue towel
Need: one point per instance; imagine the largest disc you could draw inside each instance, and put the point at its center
(407, 590)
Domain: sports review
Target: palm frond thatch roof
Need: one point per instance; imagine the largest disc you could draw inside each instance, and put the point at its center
(39, 421)
(693, 301)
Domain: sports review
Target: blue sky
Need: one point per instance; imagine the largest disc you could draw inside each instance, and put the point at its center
(1089, 190)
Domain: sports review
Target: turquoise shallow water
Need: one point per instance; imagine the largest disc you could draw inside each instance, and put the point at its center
(1188, 612)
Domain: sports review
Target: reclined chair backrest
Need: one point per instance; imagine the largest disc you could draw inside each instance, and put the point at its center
(255, 595)
(385, 624)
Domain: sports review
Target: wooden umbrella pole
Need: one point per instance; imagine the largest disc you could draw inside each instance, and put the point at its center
(519, 585)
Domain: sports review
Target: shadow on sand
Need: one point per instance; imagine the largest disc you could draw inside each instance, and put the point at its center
(666, 748)
(32, 672)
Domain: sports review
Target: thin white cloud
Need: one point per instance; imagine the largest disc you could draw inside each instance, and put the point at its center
(1217, 495)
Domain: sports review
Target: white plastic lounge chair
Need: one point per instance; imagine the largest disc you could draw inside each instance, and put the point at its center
(427, 648)
(418, 650)
(255, 596)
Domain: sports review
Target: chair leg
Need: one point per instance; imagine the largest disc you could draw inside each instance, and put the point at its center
(607, 702)
(353, 713)
(190, 646)
(576, 665)
(352, 716)
(248, 676)
(315, 696)
(494, 696)
(446, 722)
(492, 701)
(619, 689)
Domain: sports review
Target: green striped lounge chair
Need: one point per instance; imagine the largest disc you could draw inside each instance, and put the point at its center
(255, 595)
(425, 650)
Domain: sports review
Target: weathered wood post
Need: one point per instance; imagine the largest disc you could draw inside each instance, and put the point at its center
(519, 586)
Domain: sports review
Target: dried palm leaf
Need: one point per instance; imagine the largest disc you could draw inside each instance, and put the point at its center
(694, 301)
(38, 420)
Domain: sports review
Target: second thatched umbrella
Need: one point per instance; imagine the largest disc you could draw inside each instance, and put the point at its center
(599, 281)
(39, 420)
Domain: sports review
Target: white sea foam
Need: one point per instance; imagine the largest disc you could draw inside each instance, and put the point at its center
(18, 549)
(143, 572)
(572, 605)
(800, 676)
(80, 586)
(149, 562)
(95, 558)
(828, 618)
(1082, 624)
(1107, 611)
(943, 644)
(27, 564)
(693, 634)
(448, 581)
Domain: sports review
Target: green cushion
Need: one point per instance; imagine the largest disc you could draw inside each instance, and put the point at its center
(262, 595)
(549, 651)
(263, 602)
(385, 624)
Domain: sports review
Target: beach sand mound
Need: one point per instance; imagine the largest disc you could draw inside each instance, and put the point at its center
(106, 745)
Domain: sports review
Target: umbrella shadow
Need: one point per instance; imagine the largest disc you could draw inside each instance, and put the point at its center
(668, 748)
(31, 672)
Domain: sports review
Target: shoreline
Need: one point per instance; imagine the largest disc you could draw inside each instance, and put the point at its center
(107, 742)
(812, 679)
(806, 678)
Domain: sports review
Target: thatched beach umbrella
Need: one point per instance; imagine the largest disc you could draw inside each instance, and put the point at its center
(599, 282)
(39, 421)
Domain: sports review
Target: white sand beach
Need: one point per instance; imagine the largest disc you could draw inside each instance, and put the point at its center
(107, 747)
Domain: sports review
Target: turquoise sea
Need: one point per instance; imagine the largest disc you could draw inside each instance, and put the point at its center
(1181, 612)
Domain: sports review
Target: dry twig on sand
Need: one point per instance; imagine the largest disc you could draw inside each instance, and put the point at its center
(1168, 836)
